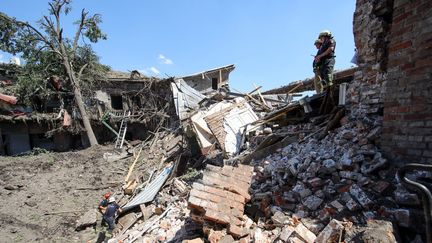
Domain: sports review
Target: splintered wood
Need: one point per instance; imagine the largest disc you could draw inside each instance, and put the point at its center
(221, 196)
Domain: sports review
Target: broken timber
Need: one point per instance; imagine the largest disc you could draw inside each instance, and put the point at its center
(267, 147)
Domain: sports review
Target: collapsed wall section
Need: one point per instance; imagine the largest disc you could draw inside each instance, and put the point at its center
(371, 24)
(394, 44)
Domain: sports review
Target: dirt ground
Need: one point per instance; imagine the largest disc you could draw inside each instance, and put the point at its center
(36, 191)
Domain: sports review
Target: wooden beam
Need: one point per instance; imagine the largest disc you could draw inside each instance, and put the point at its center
(261, 97)
(256, 89)
(133, 165)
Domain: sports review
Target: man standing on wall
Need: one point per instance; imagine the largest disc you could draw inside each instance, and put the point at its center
(326, 57)
(316, 69)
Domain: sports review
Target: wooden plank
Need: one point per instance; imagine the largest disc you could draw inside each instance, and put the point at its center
(133, 165)
(269, 140)
(253, 91)
(130, 187)
(296, 87)
(262, 153)
(127, 224)
(150, 224)
(261, 97)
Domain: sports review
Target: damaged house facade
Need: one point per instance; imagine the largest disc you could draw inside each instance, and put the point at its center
(21, 132)
(140, 103)
(210, 80)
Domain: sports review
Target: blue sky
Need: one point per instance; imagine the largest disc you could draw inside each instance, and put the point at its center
(269, 41)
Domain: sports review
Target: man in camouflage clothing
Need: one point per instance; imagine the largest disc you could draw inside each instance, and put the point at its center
(326, 57)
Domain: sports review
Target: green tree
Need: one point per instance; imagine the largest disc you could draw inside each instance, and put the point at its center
(45, 46)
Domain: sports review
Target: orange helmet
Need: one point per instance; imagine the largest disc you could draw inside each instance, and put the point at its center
(107, 195)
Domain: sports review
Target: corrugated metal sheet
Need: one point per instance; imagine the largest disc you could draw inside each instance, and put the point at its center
(186, 98)
(150, 191)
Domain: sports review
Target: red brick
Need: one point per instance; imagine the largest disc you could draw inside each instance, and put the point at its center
(427, 62)
(400, 46)
(230, 186)
(227, 207)
(237, 212)
(419, 108)
(417, 116)
(207, 205)
(215, 216)
(247, 168)
(401, 17)
(223, 180)
(402, 109)
(215, 236)
(221, 207)
(237, 231)
(218, 199)
(235, 220)
(244, 179)
(418, 70)
(219, 192)
(195, 202)
(388, 117)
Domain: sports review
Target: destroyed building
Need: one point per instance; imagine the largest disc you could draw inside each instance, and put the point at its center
(140, 100)
(210, 80)
(21, 132)
(324, 168)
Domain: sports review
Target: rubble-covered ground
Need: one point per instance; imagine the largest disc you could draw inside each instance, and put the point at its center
(338, 188)
(42, 196)
(327, 182)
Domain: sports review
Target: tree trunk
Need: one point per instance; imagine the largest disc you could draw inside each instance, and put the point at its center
(79, 101)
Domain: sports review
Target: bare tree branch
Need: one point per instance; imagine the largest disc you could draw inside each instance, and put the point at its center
(78, 32)
(82, 70)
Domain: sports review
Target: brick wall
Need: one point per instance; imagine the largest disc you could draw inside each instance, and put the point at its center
(371, 25)
(394, 79)
(407, 127)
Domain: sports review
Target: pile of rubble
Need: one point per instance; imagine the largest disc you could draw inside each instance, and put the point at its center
(318, 182)
(308, 171)
(339, 188)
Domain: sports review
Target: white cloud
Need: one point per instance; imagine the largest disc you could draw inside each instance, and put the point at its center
(143, 71)
(1, 58)
(165, 60)
(154, 70)
(15, 60)
(149, 71)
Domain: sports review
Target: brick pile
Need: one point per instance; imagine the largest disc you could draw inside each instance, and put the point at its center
(221, 195)
(343, 176)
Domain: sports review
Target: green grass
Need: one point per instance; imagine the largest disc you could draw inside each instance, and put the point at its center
(18, 238)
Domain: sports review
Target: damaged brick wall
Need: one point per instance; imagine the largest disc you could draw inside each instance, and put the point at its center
(394, 43)
(407, 128)
(372, 21)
